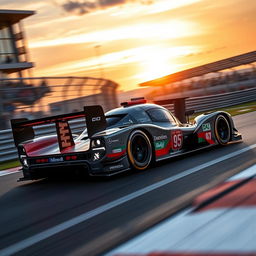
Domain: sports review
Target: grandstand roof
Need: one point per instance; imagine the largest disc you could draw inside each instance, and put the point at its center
(216, 66)
(13, 16)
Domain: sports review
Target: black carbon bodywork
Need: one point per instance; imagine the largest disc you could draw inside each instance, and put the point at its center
(111, 150)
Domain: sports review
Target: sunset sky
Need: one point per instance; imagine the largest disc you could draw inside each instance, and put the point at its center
(133, 41)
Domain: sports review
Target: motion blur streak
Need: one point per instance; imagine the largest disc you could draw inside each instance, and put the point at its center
(226, 226)
(86, 216)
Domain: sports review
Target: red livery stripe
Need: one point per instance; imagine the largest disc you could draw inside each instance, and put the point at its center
(206, 136)
(39, 144)
(164, 151)
(115, 155)
(186, 254)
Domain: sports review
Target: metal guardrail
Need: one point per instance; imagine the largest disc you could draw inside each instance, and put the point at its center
(37, 96)
(8, 150)
(207, 103)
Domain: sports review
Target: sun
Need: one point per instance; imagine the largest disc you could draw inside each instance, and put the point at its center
(156, 67)
(156, 62)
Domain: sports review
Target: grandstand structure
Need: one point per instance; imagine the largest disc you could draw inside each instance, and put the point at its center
(14, 59)
(243, 59)
(25, 96)
(194, 82)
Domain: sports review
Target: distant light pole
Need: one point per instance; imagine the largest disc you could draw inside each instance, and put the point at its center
(98, 55)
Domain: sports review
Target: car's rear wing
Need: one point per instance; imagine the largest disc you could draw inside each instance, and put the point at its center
(94, 117)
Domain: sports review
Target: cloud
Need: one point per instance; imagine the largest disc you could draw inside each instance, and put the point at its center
(109, 3)
(79, 7)
(146, 31)
(84, 7)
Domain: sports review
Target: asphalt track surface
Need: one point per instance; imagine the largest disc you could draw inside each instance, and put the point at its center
(89, 217)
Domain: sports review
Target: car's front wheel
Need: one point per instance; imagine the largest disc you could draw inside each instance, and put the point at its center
(139, 150)
(222, 129)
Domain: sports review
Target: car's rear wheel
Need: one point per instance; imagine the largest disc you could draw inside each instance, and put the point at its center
(222, 130)
(139, 150)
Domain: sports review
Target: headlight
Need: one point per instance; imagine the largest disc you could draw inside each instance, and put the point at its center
(98, 148)
(97, 143)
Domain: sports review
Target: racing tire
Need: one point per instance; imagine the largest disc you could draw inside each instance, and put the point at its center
(139, 150)
(222, 130)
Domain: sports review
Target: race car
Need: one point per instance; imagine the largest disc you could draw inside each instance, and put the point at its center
(130, 137)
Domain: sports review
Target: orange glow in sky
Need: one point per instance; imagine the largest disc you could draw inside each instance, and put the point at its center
(137, 40)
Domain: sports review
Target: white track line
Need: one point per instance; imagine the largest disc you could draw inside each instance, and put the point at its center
(10, 171)
(88, 215)
(248, 173)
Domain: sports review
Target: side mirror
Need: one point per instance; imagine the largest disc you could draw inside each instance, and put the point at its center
(189, 113)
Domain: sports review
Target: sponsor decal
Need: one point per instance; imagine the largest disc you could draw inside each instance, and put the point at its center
(208, 136)
(206, 127)
(110, 141)
(116, 150)
(119, 166)
(160, 137)
(160, 144)
(205, 137)
(163, 146)
(64, 135)
(56, 159)
(96, 119)
(177, 139)
(96, 156)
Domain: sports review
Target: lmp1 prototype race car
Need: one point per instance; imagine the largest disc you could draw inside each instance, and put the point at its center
(132, 136)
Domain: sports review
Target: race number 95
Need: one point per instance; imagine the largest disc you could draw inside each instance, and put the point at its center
(177, 139)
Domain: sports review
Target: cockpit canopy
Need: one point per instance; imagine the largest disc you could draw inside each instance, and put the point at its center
(139, 114)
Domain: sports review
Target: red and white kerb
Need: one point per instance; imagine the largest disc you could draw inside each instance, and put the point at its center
(224, 227)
